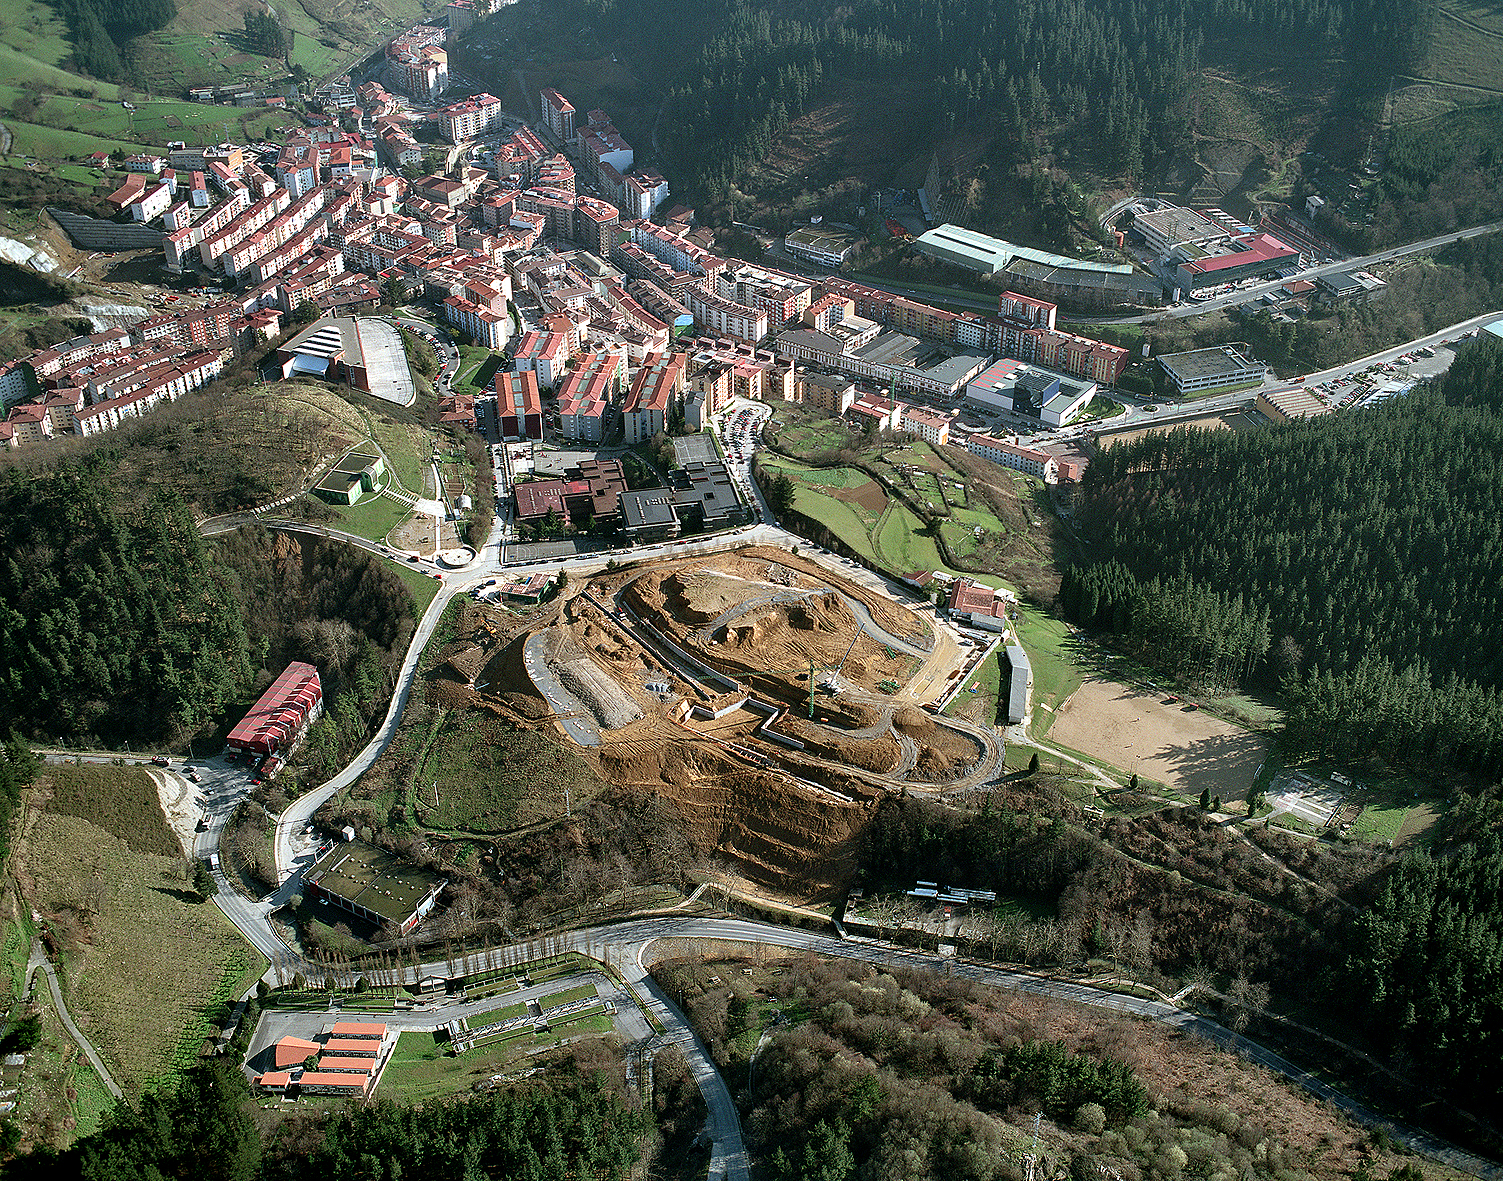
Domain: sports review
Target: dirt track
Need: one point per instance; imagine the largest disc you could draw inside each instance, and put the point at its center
(1186, 751)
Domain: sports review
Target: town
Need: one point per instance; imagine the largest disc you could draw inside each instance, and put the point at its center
(618, 321)
(641, 646)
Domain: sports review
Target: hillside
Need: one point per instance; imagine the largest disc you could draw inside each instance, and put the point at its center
(892, 1072)
(1019, 119)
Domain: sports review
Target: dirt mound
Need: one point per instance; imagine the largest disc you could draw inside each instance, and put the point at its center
(879, 755)
(464, 663)
(506, 679)
(826, 613)
(912, 721)
(849, 715)
(785, 837)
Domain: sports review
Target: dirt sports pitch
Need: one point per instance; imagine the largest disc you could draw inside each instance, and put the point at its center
(1186, 750)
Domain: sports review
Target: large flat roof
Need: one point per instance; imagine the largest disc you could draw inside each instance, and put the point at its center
(1198, 363)
(992, 254)
(373, 879)
(1178, 224)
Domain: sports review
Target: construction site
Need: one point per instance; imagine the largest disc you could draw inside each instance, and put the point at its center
(772, 700)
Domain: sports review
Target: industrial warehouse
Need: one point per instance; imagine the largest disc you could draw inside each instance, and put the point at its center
(373, 884)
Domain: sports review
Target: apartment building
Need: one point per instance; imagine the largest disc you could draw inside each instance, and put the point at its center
(726, 317)
(543, 354)
(519, 405)
(653, 390)
(558, 114)
(470, 119)
(1024, 459)
(586, 393)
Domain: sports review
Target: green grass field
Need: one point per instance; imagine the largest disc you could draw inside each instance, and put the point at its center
(900, 543)
(372, 516)
(58, 1085)
(422, 587)
(1056, 674)
(407, 447)
(569, 994)
(895, 537)
(490, 777)
(419, 1069)
(477, 368)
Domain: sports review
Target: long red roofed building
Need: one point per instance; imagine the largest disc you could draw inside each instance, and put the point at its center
(275, 721)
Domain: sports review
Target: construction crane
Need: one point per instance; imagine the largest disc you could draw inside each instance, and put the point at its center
(824, 668)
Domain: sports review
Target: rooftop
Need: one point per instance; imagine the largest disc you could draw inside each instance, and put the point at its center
(373, 879)
(988, 254)
(1199, 363)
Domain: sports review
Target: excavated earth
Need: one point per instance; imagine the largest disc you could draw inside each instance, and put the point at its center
(788, 823)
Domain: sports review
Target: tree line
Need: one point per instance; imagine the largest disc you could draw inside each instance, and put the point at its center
(113, 622)
(1352, 558)
(102, 29)
(202, 1128)
(1208, 638)
(1424, 968)
(1120, 71)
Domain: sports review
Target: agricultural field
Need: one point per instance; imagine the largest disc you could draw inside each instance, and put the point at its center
(807, 432)
(59, 1094)
(100, 865)
(205, 43)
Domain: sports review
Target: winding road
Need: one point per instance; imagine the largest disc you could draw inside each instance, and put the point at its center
(626, 946)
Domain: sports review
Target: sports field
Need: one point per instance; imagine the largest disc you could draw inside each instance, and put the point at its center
(1141, 732)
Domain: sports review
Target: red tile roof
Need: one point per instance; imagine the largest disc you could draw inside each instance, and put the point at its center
(294, 1051)
(375, 1029)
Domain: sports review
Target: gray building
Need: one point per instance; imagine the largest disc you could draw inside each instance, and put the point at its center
(1204, 370)
(1019, 683)
(703, 495)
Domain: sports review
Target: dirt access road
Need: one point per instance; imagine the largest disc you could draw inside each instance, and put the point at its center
(1186, 750)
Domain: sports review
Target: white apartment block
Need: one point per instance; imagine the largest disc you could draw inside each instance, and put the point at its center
(470, 119)
(725, 317)
(1023, 459)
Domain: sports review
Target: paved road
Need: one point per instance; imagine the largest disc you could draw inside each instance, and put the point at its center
(296, 816)
(37, 961)
(616, 944)
(966, 299)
